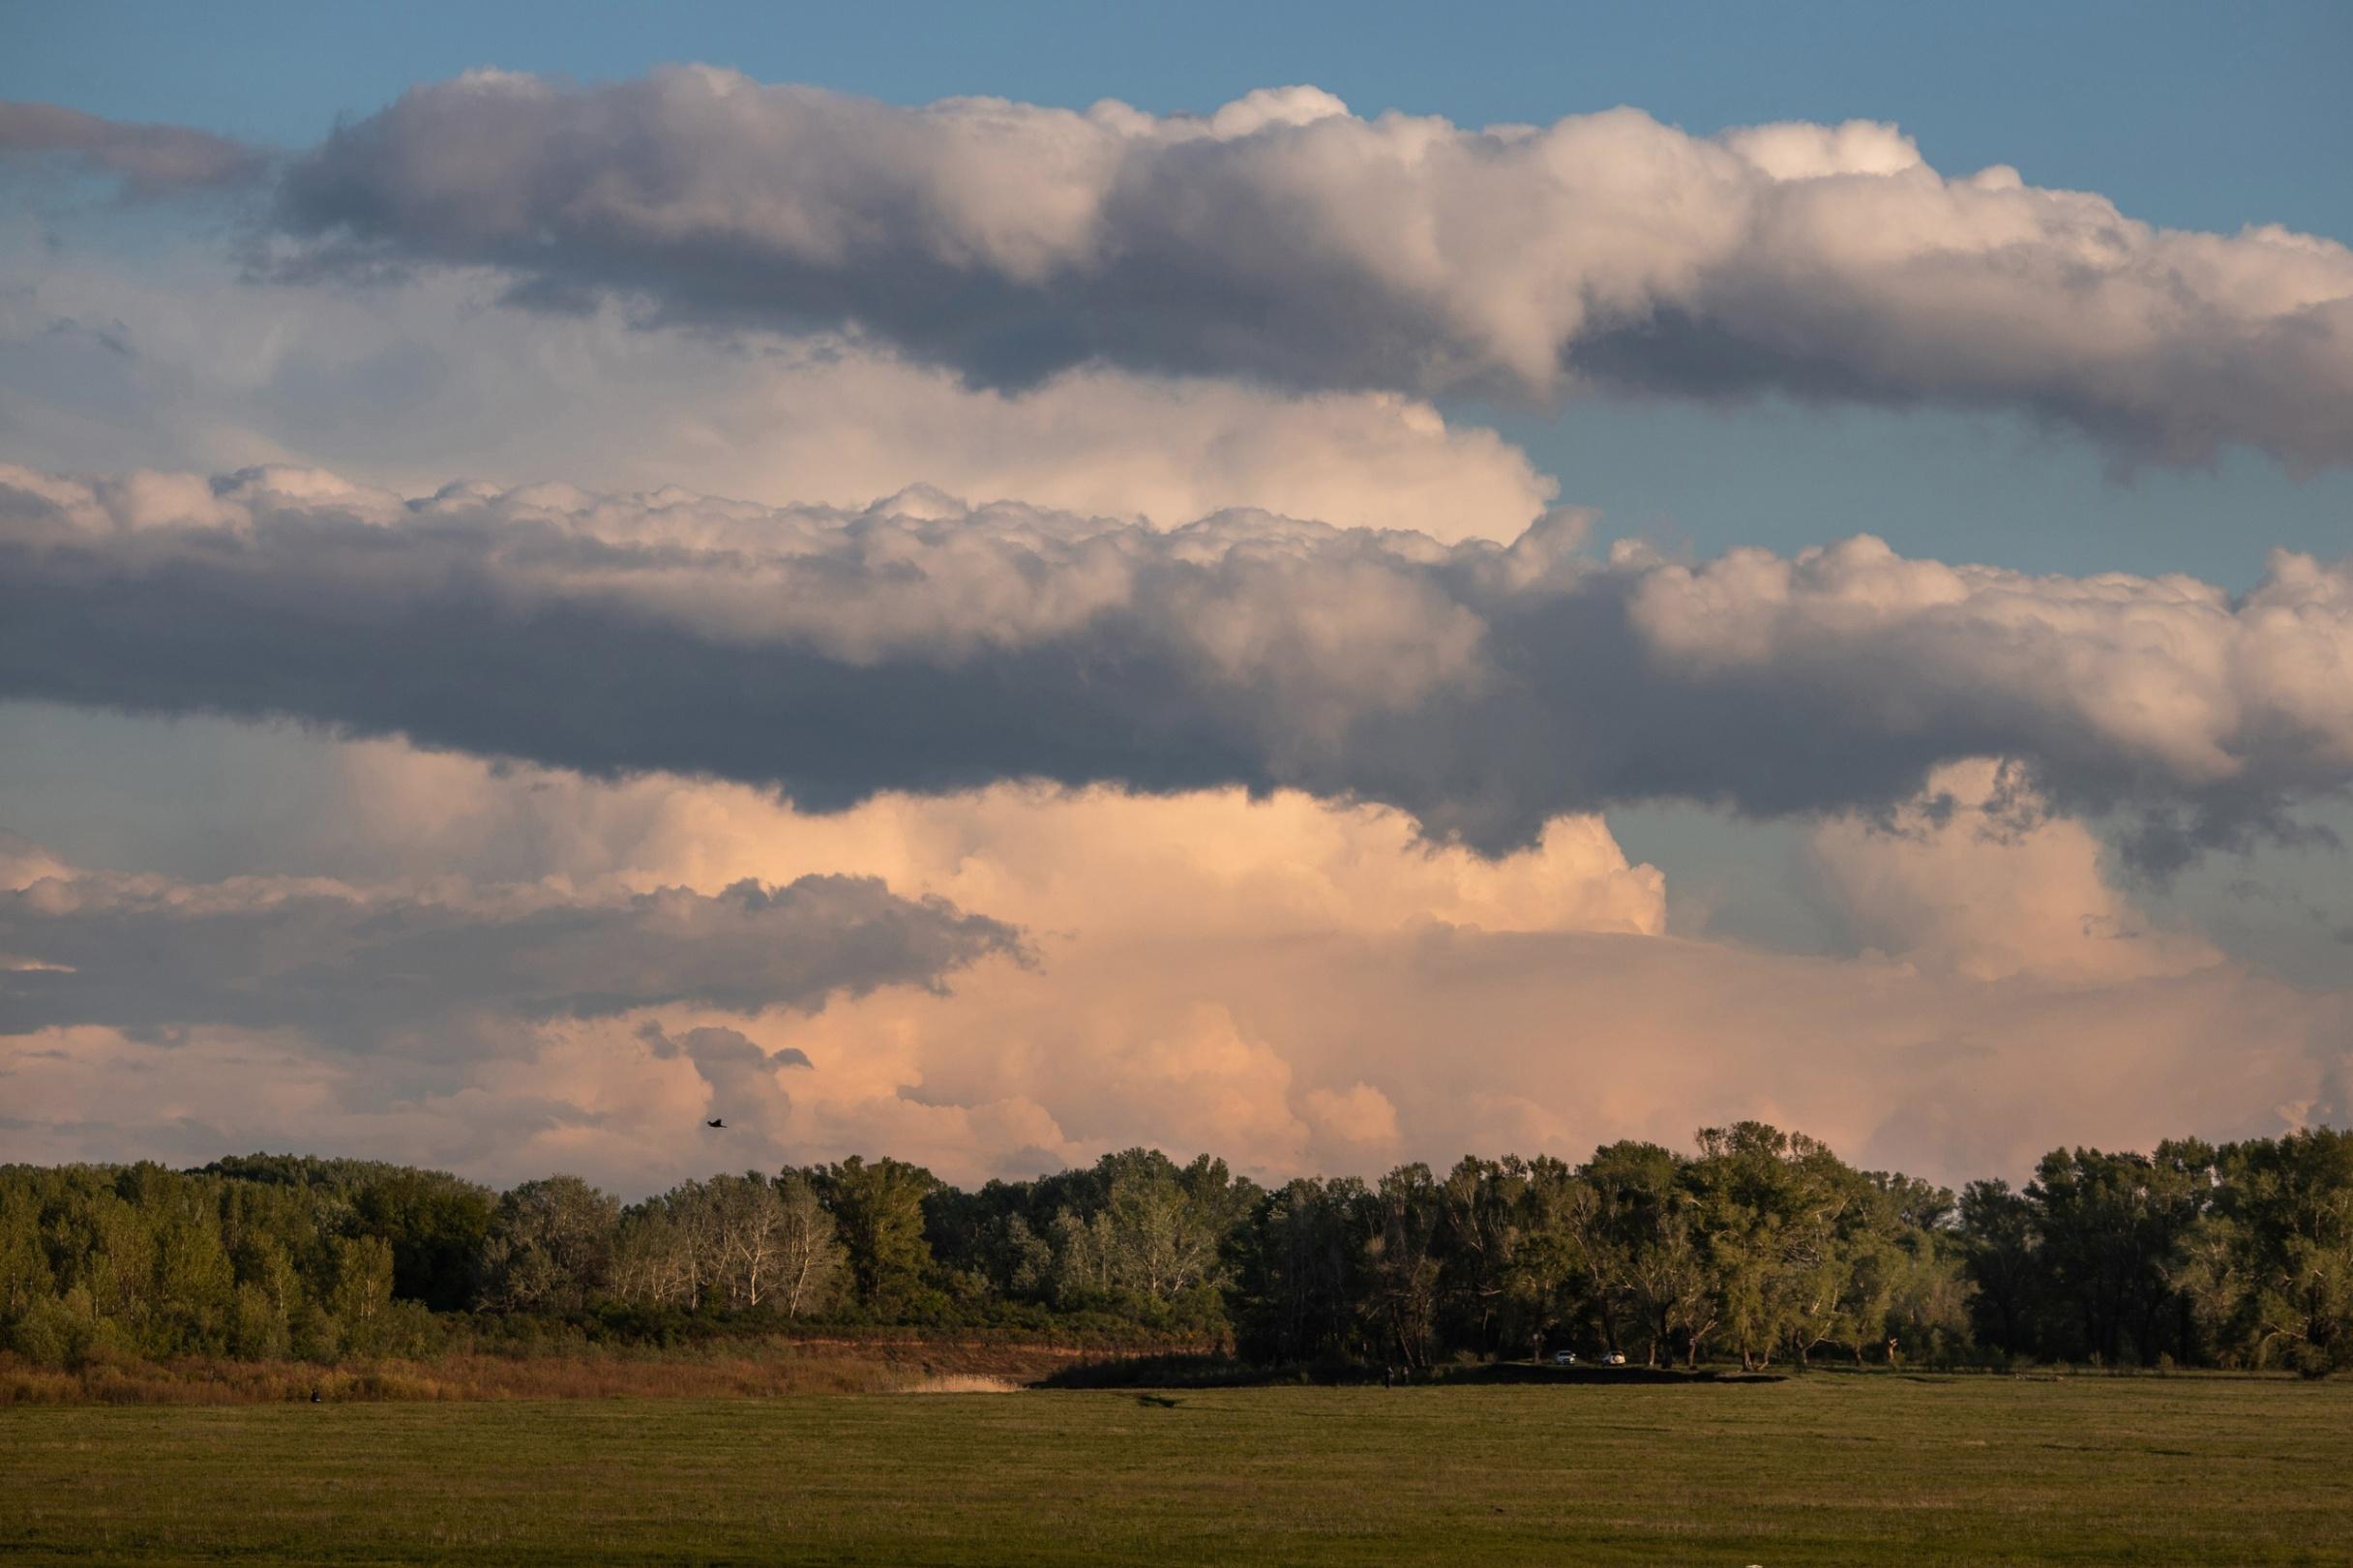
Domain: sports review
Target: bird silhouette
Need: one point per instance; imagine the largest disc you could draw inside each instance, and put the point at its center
(716, 1121)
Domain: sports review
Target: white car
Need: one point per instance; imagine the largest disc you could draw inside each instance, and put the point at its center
(1615, 1358)
(1565, 1359)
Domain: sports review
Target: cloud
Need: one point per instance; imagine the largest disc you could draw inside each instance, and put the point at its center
(1301, 987)
(149, 159)
(358, 966)
(1285, 239)
(1296, 986)
(22, 863)
(921, 645)
(1234, 831)
(1356, 1114)
(1975, 877)
(177, 363)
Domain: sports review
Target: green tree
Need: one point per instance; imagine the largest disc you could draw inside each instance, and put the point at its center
(361, 1299)
(1548, 1279)
(1636, 1224)
(2107, 1229)
(877, 1210)
(1300, 1267)
(1771, 1206)
(2270, 1267)
(550, 1247)
(436, 1225)
(1401, 1271)
(2000, 1244)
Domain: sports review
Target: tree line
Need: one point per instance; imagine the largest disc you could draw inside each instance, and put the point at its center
(1760, 1246)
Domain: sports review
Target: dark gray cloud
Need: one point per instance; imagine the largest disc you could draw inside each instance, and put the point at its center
(352, 966)
(149, 159)
(836, 654)
(711, 1045)
(740, 1071)
(1285, 239)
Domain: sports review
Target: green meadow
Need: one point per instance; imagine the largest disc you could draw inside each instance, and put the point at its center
(1823, 1467)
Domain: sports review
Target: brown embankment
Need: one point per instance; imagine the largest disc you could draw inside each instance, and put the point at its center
(753, 1371)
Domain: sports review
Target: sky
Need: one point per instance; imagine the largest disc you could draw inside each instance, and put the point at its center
(1330, 585)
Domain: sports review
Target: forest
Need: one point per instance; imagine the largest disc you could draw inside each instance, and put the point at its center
(1760, 1247)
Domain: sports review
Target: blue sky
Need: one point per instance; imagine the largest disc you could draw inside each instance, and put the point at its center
(2196, 115)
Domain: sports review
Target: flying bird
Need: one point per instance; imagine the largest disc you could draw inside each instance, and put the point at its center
(716, 1121)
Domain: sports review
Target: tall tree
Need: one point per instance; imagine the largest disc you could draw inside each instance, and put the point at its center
(2270, 1267)
(1300, 1264)
(1401, 1219)
(1639, 1236)
(810, 1258)
(436, 1225)
(878, 1208)
(551, 1246)
(2108, 1226)
(2000, 1242)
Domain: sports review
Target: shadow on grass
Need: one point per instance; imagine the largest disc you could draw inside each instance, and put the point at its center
(1224, 1372)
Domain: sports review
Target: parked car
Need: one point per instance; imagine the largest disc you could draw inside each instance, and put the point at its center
(1565, 1359)
(1614, 1358)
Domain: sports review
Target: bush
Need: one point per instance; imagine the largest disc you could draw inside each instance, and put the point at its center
(47, 1335)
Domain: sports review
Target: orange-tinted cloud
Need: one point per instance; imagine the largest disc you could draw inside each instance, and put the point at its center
(1293, 985)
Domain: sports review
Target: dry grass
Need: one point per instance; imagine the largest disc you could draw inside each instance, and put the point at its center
(965, 1383)
(766, 1370)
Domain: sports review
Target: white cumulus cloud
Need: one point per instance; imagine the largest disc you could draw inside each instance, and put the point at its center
(1285, 239)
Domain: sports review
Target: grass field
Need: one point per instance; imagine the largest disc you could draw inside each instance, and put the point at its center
(1825, 1468)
